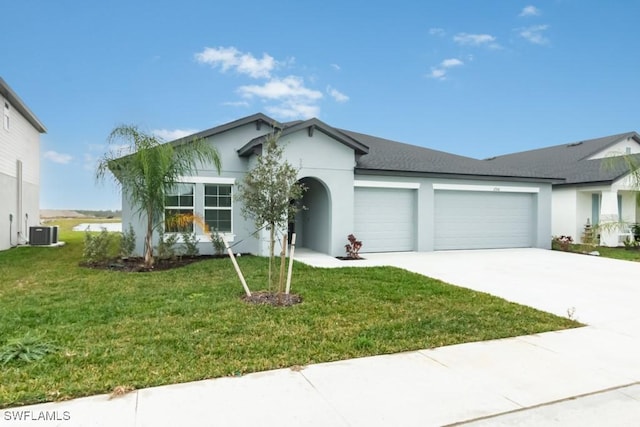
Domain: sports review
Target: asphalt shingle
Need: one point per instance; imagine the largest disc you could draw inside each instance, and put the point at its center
(392, 156)
(571, 161)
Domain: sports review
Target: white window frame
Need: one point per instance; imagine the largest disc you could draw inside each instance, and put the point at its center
(229, 236)
(193, 207)
(217, 208)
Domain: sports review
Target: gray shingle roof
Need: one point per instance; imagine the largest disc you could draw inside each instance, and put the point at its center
(391, 156)
(570, 161)
(562, 164)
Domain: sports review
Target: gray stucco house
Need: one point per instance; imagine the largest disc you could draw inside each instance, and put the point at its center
(392, 196)
(20, 133)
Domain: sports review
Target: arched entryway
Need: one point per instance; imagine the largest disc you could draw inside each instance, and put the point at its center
(313, 223)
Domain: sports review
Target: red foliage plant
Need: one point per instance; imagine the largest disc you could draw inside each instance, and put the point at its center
(353, 247)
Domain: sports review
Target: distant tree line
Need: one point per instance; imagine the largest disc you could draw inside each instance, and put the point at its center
(101, 214)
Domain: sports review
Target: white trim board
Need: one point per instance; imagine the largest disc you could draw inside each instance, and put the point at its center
(206, 180)
(386, 184)
(491, 188)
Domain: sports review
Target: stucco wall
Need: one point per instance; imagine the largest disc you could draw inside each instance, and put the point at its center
(565, 209)
(331, 162)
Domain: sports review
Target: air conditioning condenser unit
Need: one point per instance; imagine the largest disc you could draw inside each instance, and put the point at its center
(43, 236)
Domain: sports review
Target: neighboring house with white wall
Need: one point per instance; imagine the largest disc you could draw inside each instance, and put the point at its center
(596, 187)
(19, 168)
(392, 196)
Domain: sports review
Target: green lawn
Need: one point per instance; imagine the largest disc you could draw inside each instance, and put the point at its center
(145, 329)
(607, 252)
(619, 253)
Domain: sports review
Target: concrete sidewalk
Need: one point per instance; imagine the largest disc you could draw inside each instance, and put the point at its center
(584, 376)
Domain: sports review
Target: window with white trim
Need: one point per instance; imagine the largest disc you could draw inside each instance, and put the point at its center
(217, 207)
(179, 201)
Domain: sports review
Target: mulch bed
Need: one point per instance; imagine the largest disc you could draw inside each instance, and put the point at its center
(348, 258)
(136, 265)
(276, 300)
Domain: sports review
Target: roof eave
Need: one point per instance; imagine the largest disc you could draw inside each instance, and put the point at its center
(387, 172)
(258, 117)
(19, 105)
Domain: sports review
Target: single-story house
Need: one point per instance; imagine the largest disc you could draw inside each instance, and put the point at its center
(19, 168)
(392, 196)
(596, 186)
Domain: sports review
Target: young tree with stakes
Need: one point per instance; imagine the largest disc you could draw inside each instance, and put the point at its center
(269, 192)
(149, 170)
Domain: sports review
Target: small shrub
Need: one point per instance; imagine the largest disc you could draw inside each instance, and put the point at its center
(167, 246)
(27, 349)
(96, 246)
(631, 244)
(353, 247)
(127, 243)
(217, 242)
(562, 243)
(190, 243)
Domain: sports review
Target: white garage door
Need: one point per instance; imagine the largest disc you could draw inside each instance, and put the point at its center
(484, 220)
(385, 219)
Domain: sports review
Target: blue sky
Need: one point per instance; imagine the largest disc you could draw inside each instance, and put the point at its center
(476, 78)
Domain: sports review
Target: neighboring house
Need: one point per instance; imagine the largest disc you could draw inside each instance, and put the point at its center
(19, 168)
(596, 188)
(392, 196)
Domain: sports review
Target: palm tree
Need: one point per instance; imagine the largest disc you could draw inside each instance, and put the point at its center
(149, 169)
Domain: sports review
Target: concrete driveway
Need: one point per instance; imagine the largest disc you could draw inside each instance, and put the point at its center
(598, 291)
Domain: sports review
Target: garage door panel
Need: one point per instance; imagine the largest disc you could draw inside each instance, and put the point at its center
(483, 220)
(385, 219)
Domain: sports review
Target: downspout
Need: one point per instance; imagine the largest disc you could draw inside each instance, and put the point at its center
(19, 201)
(11, 245)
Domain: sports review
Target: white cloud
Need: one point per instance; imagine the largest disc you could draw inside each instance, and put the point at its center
(337, 95)
(288, 96)
(466, 39)
(535, 34)
(294, 110)
(530, 11)
(451, 62)
(440, 72)
(56, 157)
(231, 58)
(288, 87)
(294, 99)
(437, 32)
(236, 103)
(171, 134)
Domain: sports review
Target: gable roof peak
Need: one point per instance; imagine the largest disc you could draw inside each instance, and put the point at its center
(18, 104)
(310, 124)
